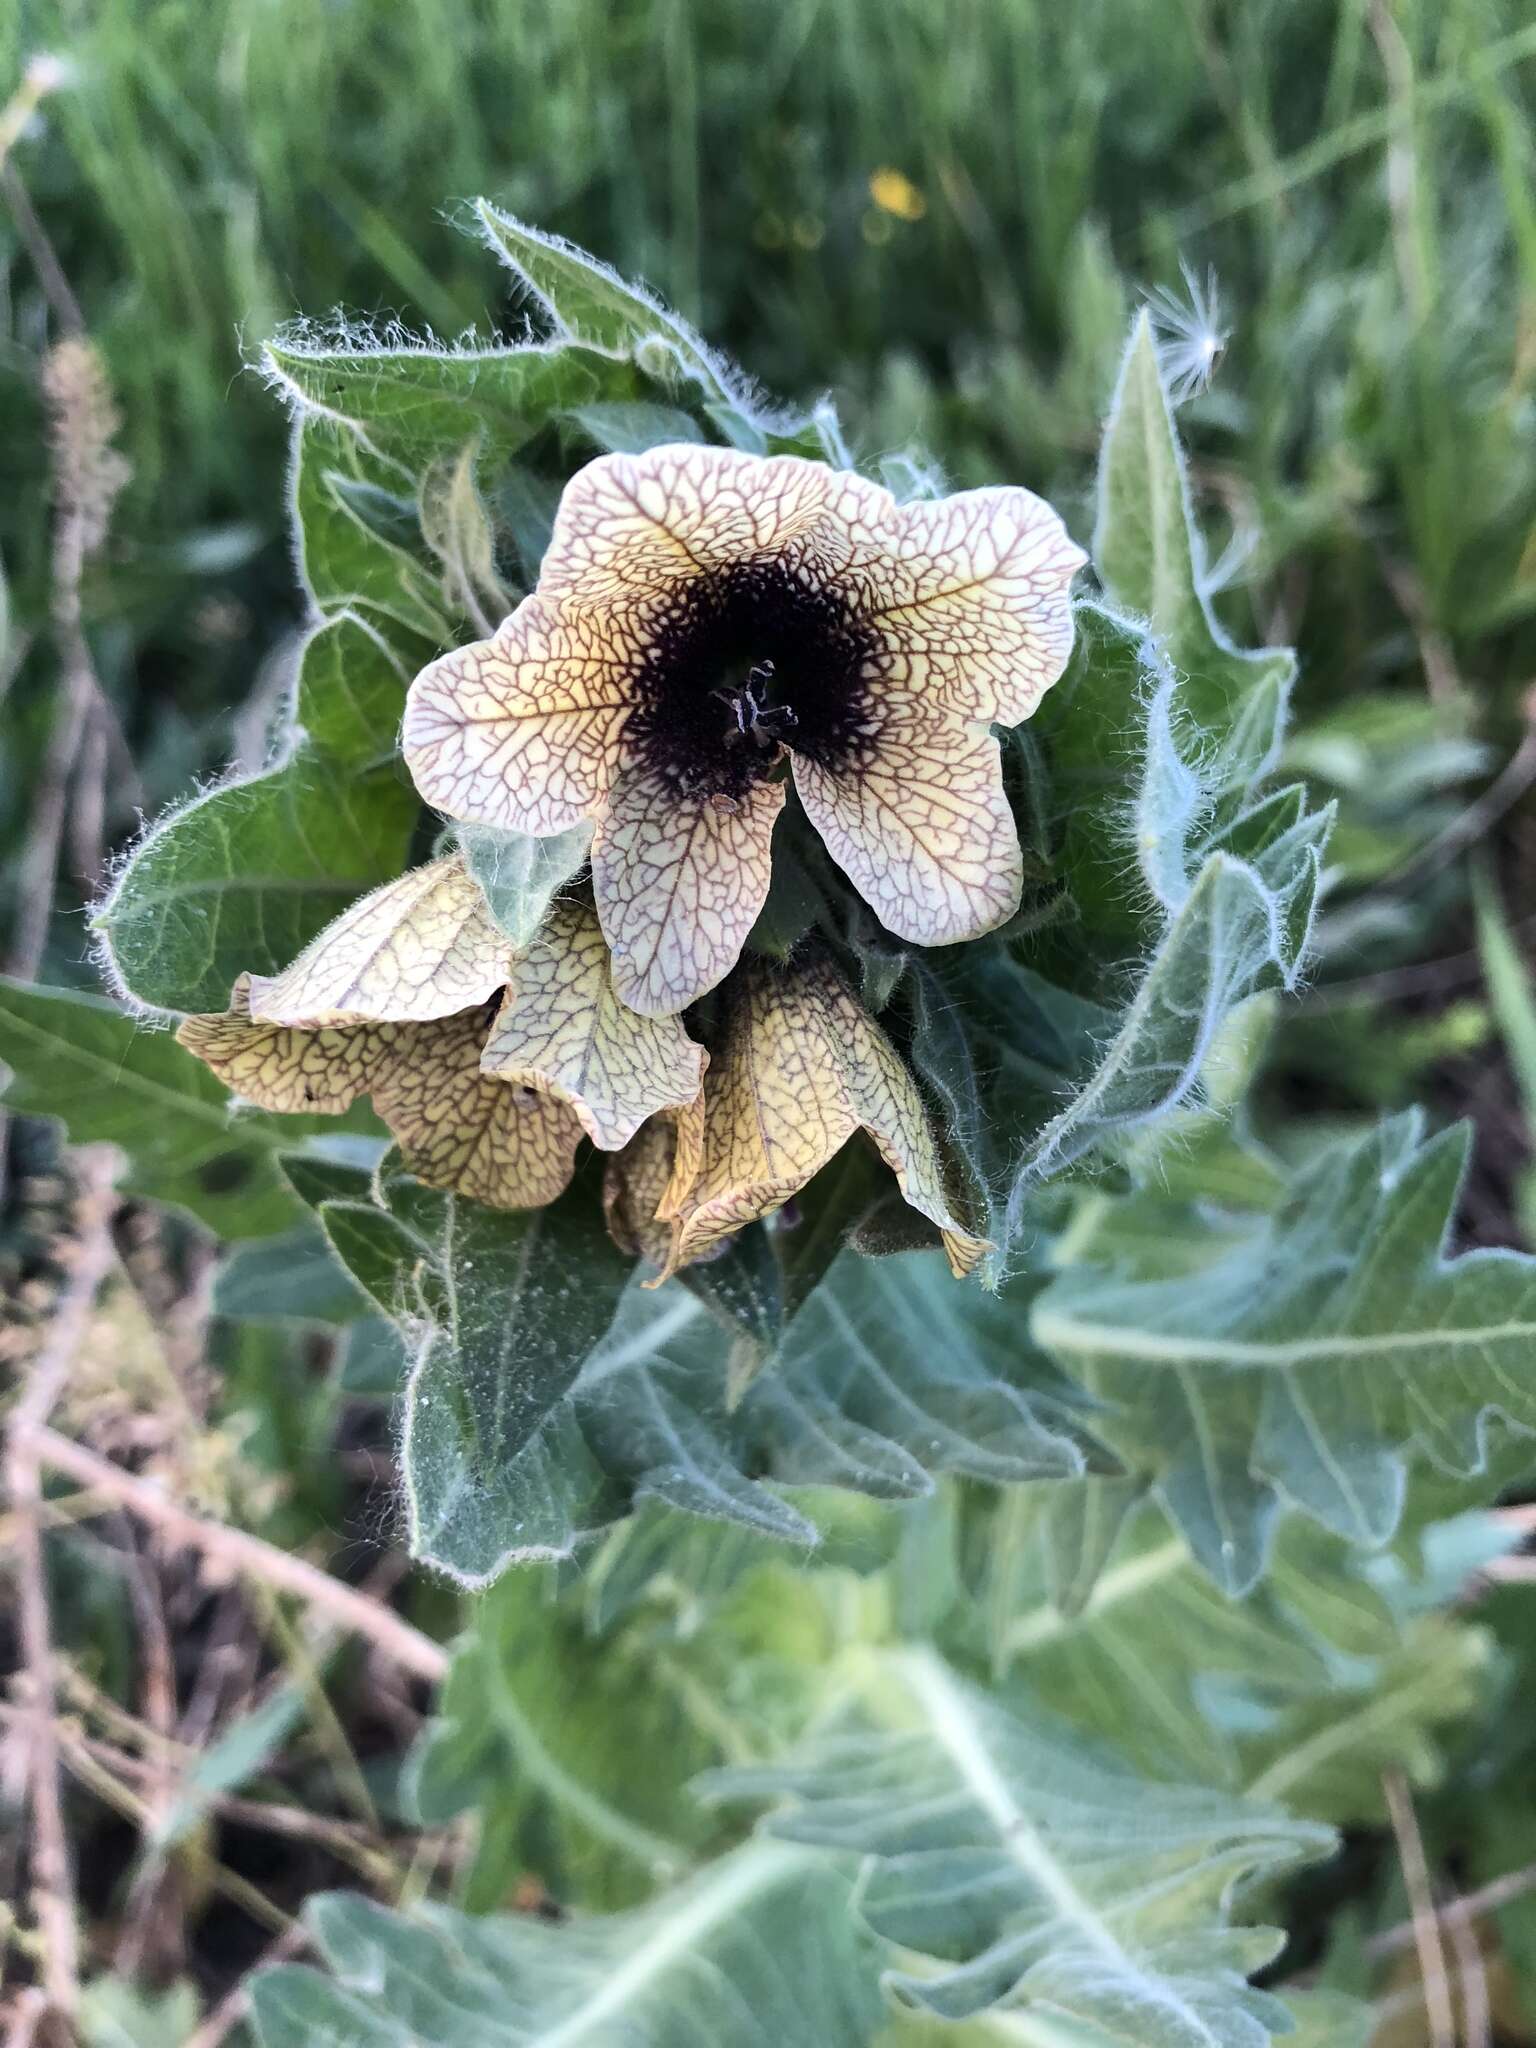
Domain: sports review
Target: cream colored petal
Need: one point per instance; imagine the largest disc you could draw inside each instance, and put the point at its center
(282, 1069)
(563, 1030)
(802, 1069)
(423, 946)
(636, 1182)
(922, 828)
(885, 1099)
(775, 1111)
(456, 1127)
(687, 1156)
(524, 730)
(969, 594)
(459, 1128)
(679, 881)
(631, 528)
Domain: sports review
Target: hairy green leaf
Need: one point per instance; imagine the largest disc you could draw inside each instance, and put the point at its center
(107, 1076)
(1307, 1364)
(890, 1374)
(536, 1415)
(240, 879)
(415, 402)
(500, 1308)
(1092, 730)
(243, 878)
(1242, 926)
(758, 1950)
(359, 539)
(588, 302)
(1149, 554)
(351, 691)
(1033, 1869)
(291, 1278)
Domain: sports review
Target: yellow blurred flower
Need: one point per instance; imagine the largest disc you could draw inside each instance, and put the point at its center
(894, 192)
(800, 1069)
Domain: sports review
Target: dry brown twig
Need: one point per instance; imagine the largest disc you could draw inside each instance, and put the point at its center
(107, 1786)
(1427, 1938)
(348, 1841)
(1499, 1891)
(50, 1870)
(148, 1928)
(1472, 1981)
(28, 2014)
(241, 1552)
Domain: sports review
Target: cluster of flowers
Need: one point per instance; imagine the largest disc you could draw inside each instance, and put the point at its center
(708, 625)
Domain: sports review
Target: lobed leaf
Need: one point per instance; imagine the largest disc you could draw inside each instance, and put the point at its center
(109, 1078)
(573, 1748)
(759, 1949)
(548, 1397)
(1314, 1358)
(889, 1374)
(1032, 1869)
(1305, 1691)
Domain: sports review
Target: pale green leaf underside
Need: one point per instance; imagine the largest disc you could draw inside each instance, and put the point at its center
(1033, 1869)
(759, 1950)
(520, 876)
(1307, 1364)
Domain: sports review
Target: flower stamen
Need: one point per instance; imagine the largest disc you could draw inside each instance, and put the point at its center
(751, 717)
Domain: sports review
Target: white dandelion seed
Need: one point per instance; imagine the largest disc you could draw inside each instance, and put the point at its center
(1191, 339)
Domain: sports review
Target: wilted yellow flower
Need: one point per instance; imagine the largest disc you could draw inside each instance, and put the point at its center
(802, 1068)
(566, 1033)
(664, 1155)
(456, 1127)
(487, 1066)
(703, 613)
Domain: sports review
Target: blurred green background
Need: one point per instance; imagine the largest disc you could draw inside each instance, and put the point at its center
(942, 214)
